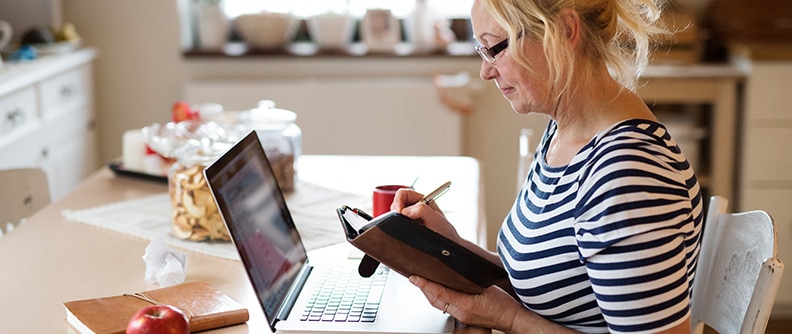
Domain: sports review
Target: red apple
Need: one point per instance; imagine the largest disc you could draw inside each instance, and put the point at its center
(181, 111)
(159, 319)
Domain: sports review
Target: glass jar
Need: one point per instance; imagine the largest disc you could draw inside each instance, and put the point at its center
(193, 145)
(280, 137)
(195, 214)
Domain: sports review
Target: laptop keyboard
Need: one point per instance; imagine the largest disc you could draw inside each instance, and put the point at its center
(344, 296)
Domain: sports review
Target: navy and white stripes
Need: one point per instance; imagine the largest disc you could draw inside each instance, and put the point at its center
(610, 241)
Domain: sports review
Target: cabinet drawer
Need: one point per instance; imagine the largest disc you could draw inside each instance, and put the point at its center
(23, 151)
(65, 90)
(766, 156)
(17, 110)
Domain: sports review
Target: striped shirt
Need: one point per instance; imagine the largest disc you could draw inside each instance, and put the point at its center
(610, 241)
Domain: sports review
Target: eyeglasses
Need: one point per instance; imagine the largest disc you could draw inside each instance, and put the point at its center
(489, 54)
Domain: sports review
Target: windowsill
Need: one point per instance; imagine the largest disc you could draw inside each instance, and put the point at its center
(307, 49)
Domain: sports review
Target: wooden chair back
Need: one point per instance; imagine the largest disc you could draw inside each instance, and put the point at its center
(738, 271)
(23, 191)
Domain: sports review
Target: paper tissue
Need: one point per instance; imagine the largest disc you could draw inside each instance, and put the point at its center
(164, 265)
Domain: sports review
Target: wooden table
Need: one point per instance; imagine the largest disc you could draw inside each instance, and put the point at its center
(49, 260)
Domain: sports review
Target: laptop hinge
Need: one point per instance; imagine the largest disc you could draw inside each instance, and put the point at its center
(291, 296)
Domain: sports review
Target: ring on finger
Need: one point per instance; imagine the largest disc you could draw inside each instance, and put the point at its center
(445, 309)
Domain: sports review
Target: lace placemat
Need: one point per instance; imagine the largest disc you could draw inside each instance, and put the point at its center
(312, 207)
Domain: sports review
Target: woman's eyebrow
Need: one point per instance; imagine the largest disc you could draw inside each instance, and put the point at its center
(484, 35)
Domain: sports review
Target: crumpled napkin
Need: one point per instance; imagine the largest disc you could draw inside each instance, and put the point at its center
(164, 264)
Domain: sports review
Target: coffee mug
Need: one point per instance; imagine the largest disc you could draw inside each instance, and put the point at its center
(383, 198)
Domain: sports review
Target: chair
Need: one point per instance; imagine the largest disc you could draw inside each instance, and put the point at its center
(738, 272)
(23, 191)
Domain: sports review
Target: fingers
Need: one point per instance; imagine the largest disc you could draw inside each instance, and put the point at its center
(487, 309)
(437, 295)
(405, 197)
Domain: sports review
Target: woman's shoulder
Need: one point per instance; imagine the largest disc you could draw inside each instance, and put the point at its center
(633, 135)
(632, 129)
(635, 142)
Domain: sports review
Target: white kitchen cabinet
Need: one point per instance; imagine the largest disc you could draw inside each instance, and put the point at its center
(765, 181)
(48, 118)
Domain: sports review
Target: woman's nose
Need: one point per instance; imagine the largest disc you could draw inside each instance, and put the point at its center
(488, 71)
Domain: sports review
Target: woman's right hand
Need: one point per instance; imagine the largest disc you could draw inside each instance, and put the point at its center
(407, 202)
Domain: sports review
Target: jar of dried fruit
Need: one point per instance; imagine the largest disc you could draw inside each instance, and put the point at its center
(281, 138)
(195, 214)
(193, 145)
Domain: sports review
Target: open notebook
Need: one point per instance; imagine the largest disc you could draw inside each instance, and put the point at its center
(287, 286)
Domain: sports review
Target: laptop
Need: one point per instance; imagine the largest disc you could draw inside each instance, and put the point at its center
(286, 284)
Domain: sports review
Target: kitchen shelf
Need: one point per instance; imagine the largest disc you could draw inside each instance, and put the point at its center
(308, 49)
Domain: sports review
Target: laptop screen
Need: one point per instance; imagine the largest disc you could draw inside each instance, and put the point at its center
(258, 220)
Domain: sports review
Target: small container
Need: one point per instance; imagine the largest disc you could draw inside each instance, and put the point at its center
(195, 214)
(280, 137)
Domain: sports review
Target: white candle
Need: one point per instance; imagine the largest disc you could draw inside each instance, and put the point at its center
(134, 149)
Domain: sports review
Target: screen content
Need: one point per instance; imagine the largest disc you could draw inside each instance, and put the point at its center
(263, 231)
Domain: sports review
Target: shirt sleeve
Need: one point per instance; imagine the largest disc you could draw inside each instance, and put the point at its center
(631, 224)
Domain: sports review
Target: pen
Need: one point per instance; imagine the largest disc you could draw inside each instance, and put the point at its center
(432, 196)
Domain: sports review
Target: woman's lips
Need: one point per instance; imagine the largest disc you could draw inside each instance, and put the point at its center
(505, 90)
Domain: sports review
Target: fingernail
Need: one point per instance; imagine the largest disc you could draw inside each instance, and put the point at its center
(414, 280)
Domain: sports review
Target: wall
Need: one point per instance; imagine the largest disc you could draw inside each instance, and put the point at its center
(139, 70)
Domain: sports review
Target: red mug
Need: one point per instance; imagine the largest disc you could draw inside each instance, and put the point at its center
(383, 198)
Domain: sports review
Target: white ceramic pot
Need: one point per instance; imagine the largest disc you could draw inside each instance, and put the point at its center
(213, 27)
(331, 31)
(420, 28)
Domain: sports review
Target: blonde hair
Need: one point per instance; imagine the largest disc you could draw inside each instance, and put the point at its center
(616, 32)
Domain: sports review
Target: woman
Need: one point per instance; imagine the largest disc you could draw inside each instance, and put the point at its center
(604, 234)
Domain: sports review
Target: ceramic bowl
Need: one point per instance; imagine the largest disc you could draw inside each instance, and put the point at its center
(266, 31)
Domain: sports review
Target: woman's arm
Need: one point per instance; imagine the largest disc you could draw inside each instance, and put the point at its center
(494, 308)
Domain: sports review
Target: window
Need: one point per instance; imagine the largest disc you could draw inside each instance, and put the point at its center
(307, 8)
(211, 31)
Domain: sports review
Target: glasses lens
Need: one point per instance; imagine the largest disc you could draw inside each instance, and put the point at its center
(484, 53)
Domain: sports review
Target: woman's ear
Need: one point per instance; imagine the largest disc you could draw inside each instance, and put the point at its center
(571, 21)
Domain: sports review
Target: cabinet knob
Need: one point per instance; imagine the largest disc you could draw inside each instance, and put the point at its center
(66, 91)
(13, 118)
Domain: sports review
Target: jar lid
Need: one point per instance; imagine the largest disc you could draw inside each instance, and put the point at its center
(267, 116)
(175, 139)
